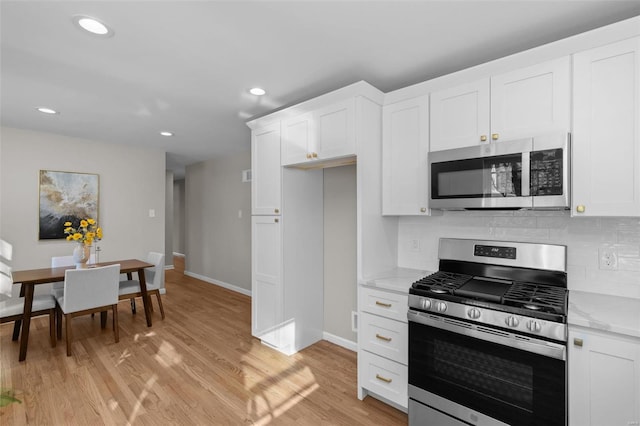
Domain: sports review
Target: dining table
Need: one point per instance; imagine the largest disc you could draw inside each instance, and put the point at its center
(32, 277)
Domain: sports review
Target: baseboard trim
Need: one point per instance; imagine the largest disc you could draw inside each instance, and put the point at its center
(340, 341)
(219, 283)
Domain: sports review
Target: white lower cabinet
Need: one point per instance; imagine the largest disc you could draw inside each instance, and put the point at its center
(604, 378)
(383, 345)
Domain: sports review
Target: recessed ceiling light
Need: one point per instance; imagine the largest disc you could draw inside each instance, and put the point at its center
(46, 110)
(92, 25)
(165, 133)
(257, 91)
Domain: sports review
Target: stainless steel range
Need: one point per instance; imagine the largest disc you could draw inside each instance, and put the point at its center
(487, 336)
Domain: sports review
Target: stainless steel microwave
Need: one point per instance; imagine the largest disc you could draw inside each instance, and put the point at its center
(530, 173)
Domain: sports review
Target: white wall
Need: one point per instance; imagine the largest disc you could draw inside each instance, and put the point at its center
(218, 242)
(132, 181)
(582, 236)
(178, 216)
(340, 251)
(168, 223)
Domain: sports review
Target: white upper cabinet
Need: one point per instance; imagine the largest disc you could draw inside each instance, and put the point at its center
(266, 180)
(321, 135)
(405, 146)
(460, 116)
(531, 101)
(522, 103)
(606, 130)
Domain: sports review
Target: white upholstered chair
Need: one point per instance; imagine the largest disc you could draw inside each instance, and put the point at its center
(88, 291)
(154, 278)
(12, 307)
(57, 262)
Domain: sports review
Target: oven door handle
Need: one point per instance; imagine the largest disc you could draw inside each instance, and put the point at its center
(529, 344)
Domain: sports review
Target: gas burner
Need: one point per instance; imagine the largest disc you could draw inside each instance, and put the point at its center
(442, 282)
(537, 297)
(532, 307)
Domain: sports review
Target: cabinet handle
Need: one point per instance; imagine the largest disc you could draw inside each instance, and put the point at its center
(308, 156)
(423, 209)
(385, 305)
(276, 210)
(314, 155)
(580, 208)
(577, 342)
(495, 136)
(276, 220)
(384, 379)
(483, 138)
(386, 339)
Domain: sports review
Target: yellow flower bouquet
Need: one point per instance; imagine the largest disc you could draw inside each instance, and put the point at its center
(86, 232)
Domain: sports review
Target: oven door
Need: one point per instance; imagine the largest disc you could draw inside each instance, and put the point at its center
(452, 368)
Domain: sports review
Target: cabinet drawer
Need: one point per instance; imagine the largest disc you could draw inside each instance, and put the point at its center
(386, 378)
(385, 337)
(384, 303)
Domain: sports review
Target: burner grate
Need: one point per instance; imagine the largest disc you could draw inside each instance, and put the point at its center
(442, 282)
(537, 297)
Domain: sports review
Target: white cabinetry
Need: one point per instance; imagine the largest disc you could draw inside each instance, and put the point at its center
(606, 130)
(327, 133)
(604, 378)
(383, 345)
(266, 182)
(266, 286)
(405, 145)
(517, 104)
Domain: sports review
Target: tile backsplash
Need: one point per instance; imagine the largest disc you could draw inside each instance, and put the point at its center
(587, 240)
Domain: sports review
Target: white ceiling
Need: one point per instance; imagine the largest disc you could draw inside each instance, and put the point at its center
(185, 66)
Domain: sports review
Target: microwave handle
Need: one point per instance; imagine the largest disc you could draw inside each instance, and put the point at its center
(526, 174)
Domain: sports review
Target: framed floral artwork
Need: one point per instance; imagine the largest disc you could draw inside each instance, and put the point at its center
(66, 197)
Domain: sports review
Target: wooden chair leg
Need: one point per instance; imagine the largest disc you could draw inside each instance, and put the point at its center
(16, 330)
(160, 305)
(132, 301)
(59, 321)
(103, 319)
(116, 328)
(67, 321)
(52, 327)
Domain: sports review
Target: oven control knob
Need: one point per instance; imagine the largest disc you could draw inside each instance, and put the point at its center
(534, 326)
(474, 313)
(426, 304)
(512, 321)
(441, 307)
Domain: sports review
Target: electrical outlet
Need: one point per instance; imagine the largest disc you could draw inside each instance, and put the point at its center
(608, 258)
(415, 245)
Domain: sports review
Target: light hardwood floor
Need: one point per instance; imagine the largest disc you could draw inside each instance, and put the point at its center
(200, 366)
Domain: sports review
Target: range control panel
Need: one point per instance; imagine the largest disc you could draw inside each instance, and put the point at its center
(494, 251)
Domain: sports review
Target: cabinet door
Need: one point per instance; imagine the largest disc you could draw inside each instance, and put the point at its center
(604, 380)
(460, 116)
(266, 182)
(335, 131)
(606, 130)
(297, 139)
(405, 145)
(531, 101)
(266, 278)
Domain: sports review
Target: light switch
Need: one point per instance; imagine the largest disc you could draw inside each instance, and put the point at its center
(152, 213)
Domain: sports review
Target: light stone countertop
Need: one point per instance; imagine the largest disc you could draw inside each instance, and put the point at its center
(604, 312)
(397, 279)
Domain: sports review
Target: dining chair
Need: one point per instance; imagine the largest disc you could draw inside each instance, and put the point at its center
(154, 278)
(59, 261)
(88, 291)
(12, 307)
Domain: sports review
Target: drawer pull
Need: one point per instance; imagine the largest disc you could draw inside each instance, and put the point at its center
(386, 339)
(385, 305)
(578, 342)
(384, 379)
